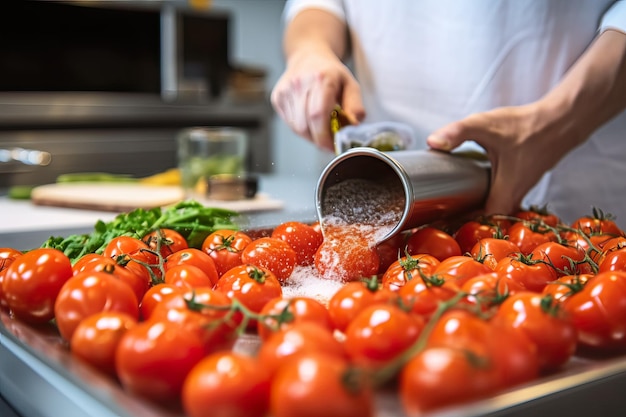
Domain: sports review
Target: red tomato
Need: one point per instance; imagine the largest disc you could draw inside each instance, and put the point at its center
(540, 318)
(136, 277)
(490, 290)
(564, 259)
(281, 313)
(390, 251)
(491, 250)
(131, 248)
(301, 338)
(226, 384)
(187, 276)
(203, 311)
(314, 384)
(380, 333)
(155, 295)
(472, 231)
(353, 297)
(225, 247)
(597, 223)
(407, 268)
(252, 286)
(195, 257)
(165, 241)
(7, 256)
(88, 293)
(460, 268)
(346, 254)
(613, 261)
(304, 239)
(273, 254)
(443, 376)
(528, 235)
(433, 241)
(599, 311)
(154, 357)
(565, 286)
(534, 213)
(32, 283)
(424, 294)
(532, 275)
(96, 338)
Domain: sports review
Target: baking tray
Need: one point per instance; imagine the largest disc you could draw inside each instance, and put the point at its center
(40, 378)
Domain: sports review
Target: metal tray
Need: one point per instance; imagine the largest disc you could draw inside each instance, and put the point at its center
(40, 378)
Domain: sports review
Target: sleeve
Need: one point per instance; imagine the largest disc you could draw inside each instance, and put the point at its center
(615, 17)
(293, 7)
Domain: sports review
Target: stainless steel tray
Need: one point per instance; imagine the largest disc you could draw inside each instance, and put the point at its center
(40, 378)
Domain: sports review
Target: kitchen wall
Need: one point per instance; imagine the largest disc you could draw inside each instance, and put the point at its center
(256, 34)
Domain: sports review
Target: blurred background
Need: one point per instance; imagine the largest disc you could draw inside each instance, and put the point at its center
(105, 86)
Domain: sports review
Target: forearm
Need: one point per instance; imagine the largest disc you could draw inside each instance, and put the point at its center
(591, 93)
(315, 31)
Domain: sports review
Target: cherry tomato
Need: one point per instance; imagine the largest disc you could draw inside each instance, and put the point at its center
(226, 384)
(443, 376)
(472, 231)
(460, 268)
(187, 276)
(534, 213)
(165, 241)
(252, 286)
(565, 286)
(32, 283)
(137, 277)
(491, 250)
(154, 357)
(380, 333)
(597, 223)
(96, 338)
(564, 259)
(315, 384)
(304, 239)
(532, 275)
(349, 300)
(300, 338)
(346, 254)
(273, 254)
(225, 247)
(195, 257)
(407, 268)
(545, 324)
(390, 251)
(599, 311)
(88, 293)
(528, 235)
(433, 241)
(613, 261)
(7, 256)
(423, 294)
(280, 313)
(490, 290)
(130, 248)
(155, 295)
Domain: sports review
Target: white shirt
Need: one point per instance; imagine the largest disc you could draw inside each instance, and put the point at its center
(430, 62)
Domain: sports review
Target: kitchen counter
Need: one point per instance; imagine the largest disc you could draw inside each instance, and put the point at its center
(25, 225)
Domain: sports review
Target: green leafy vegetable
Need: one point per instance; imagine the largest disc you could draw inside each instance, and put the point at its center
(190, 218)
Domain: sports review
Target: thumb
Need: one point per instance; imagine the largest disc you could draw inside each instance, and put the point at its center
(455, 133)
(352, 103)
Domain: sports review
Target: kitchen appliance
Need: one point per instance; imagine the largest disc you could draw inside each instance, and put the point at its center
(431, 185)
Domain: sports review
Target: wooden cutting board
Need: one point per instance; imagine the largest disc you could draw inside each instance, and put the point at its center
(124, 197)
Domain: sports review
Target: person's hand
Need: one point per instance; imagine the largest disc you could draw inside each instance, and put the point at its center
(520, 144)
(311, 86)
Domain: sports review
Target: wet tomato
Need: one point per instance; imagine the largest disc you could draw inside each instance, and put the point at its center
(407, 268)
(32, 282)
(88, 293)
(303, 238)
(195, 257)
(433, 241)
(226, 384)
(225, 247)
(165, 241)
(280, 313)
(273, 254)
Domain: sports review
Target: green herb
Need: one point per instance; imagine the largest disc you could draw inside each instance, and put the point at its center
(190, 218)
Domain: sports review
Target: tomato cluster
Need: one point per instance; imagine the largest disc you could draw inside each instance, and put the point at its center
(445, 313)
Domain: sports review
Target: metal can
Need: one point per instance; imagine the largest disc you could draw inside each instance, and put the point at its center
(425, 185)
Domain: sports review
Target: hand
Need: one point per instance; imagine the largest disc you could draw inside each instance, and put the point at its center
(309, 89)
(520, 143)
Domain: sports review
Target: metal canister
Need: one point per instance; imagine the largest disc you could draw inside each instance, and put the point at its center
(432, 185)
